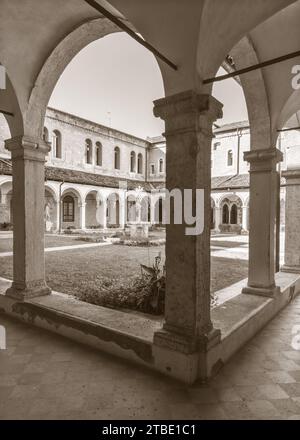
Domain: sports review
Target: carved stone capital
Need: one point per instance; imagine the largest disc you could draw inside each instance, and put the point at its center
(188, 112)
(28, 148)
(263, 160)
(291, 174)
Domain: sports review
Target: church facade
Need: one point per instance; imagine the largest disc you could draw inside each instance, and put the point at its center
(101, 178)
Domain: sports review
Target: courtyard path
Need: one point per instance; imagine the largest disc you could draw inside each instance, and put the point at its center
(45, 376)
(63, 248)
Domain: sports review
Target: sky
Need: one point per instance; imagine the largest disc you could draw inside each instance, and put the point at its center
(114, 81)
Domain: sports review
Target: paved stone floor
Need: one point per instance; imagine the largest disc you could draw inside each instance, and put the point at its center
(44, 376)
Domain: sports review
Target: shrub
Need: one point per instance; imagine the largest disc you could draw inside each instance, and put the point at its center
(144, 293)
(6, 226)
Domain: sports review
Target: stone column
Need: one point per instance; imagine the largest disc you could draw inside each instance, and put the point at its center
(245, 218)
(263, 189)
(218, 218)
(122, 213)
(104, 213)
(292, 221)
(58, 214)
(82, 215)
(28, 164)
(188, 328)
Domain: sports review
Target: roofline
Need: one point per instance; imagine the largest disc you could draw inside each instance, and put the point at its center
(97, 124)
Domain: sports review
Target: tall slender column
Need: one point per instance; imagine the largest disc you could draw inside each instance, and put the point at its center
(218, 218)
(189, 118)
(82, 215)
(104, 213)
(58, 214)
(263, 189)
(28, 164)
(292, 221)
(245, 218)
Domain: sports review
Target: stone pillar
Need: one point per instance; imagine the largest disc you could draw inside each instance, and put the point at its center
(218, 218)
(82, 215)
(58, 214)
(188, 329)
(263, 202)
(122, 213)
(104, 213)
(245, 225)
(292, 221)
(28, 165)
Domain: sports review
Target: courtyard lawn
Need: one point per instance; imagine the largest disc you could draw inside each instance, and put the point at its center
(6, 244)
(80, 270)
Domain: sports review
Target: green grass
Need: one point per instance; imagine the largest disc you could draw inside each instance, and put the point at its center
(80, 270)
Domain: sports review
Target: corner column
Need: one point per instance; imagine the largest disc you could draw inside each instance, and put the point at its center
(292, 222)
(28, 165)
(263, 202)
(188, 330)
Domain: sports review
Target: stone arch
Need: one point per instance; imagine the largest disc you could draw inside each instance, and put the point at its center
(92, 207)
(131, 207)
(50, 210)
(69, 220)
(5, 201)
(231, 209)
(56, 63)
(9, 102)
(113, 210)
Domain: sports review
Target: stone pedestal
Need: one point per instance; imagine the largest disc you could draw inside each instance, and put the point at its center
(28, 159)
(188, 329)
(263, 199)
(292, 222)
(139, 231)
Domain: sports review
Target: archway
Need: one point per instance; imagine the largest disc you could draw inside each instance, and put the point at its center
(113, 210)
(92, 207)
(71, 209)
(51, 211)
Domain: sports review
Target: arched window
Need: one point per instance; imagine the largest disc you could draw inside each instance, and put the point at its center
(132, 162)
(225, 215)
(45, 134)
(88, 151)
(140, 164)
(234, 215)
(117, 158)
(230, 158)
(161, 165)
(57, 144)
(68, 209)
(99, 154)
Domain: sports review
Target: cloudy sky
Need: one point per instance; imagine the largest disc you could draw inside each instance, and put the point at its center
(114, 81)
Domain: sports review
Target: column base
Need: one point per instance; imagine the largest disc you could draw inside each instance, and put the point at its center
(291, 269)
(31, 290)
(187, 358)
(260, 291)
(171, 339)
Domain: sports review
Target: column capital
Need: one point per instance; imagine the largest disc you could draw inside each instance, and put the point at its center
(27, 147)
(188, 111)
(263, 160)
(291, 174)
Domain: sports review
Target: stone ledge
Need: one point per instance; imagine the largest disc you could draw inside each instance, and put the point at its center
(113, 331)
(130, 335)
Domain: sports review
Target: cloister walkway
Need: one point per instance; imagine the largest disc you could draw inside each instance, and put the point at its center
(45, 376)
